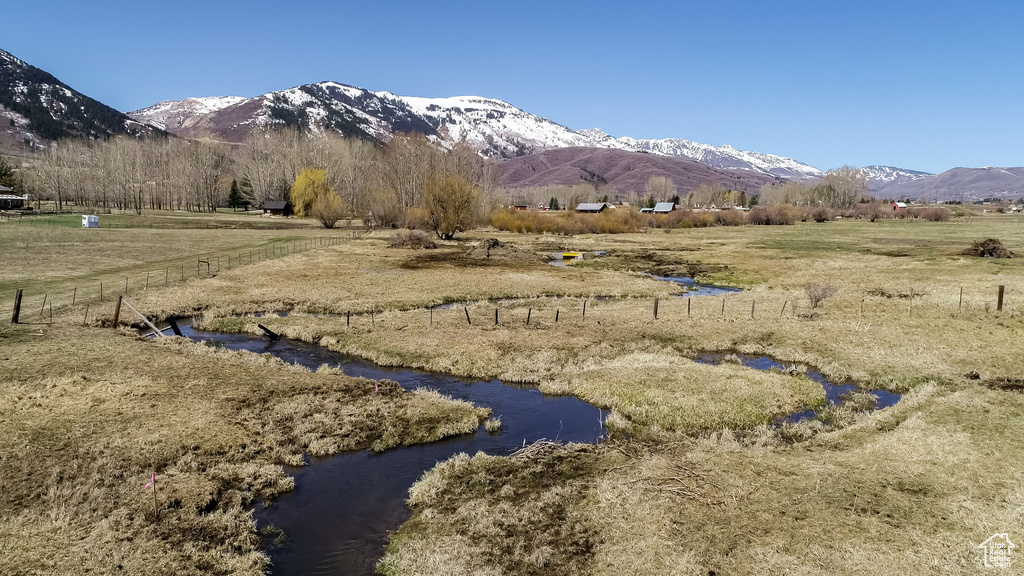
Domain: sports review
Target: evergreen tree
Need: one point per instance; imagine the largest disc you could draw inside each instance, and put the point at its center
(7, 177)
(234, 197)
(553, 204)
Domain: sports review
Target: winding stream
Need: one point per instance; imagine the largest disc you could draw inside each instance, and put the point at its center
(337, 519)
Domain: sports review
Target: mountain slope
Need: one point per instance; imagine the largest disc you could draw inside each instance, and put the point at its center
(493, 127)
(38, 107)
(626, 170)
(965, 184)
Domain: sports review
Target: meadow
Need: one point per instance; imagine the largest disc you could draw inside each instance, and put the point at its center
(695, 478)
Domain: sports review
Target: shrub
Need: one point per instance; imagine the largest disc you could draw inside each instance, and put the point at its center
(411, 239)
(931, 214)
(818, 293)
(773, 216)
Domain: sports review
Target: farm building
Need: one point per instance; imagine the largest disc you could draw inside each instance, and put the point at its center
(592, 207)
(9, 201)
(276, 208)
(899, 207)
(664, 207)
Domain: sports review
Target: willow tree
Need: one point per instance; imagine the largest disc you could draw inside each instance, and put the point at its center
(451, 204)
(309, 185)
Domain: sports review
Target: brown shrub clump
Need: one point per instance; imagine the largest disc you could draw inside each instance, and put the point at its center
(989, 248)
(493, 249)
(412, 239)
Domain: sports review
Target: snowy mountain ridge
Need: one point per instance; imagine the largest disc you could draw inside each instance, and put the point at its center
(493, 127)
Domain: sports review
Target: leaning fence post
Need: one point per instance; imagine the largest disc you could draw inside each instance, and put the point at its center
(466, 310)
(117, 312)
(85, 319)
(999, 299)
(556, 315)
(17, 307)
(584, 309)
(784, 302)
(655, 308)
(43, 307)
(529, 312)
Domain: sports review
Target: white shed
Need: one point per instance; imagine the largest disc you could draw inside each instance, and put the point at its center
(89, 221)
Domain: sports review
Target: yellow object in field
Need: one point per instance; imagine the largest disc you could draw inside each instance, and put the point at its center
(571, 255)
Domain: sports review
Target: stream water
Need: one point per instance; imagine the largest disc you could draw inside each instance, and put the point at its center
(337, 519)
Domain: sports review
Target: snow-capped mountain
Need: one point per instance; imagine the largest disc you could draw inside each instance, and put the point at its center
(725, 157)
(493, 127)
(36, 107)
(175, 114)
(963, 184)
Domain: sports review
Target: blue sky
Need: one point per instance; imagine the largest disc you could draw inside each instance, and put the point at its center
(915, 84)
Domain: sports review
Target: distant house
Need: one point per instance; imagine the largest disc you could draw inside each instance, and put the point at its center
(10, 201)
(276, 208)
(592, 207)
(664, 207)
(900, 207)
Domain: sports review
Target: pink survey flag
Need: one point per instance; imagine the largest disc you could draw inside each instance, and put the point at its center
(152, 480)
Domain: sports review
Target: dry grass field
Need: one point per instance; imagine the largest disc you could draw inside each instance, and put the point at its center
(699, 484)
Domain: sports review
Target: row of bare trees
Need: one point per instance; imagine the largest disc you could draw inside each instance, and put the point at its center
(842, 188)
(130, 174)
(384, 185)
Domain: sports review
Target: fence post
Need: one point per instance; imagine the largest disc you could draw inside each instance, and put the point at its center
(126, 285)
(117, 312)
(752, 303)
(556, 315)
(960, 308)
(74, 296)
(43, 307)
(999, 299)
(17, 307)
(466, 310)
(584, 309)
(688, 301)
(723, 305)
(101, 291)
(495, 316)
(529, 312)
(784, 302)
(655, 308)
(348, 318)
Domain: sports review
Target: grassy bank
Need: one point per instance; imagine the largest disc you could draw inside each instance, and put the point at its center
(90, 414)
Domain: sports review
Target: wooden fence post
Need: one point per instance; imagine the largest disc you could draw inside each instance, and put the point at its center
(752, 303)
(348, 318)
(584, 309)
(101, 291)
(495, 316)
(723, 305)
(556, 315)
(17, 307)
(960, 307)
(117, 312)
(784, 302)
(999, 299)
(43, 307)
(529, 312)
(74, 295)
(466, 310)
(655, 308)
(689, 301)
